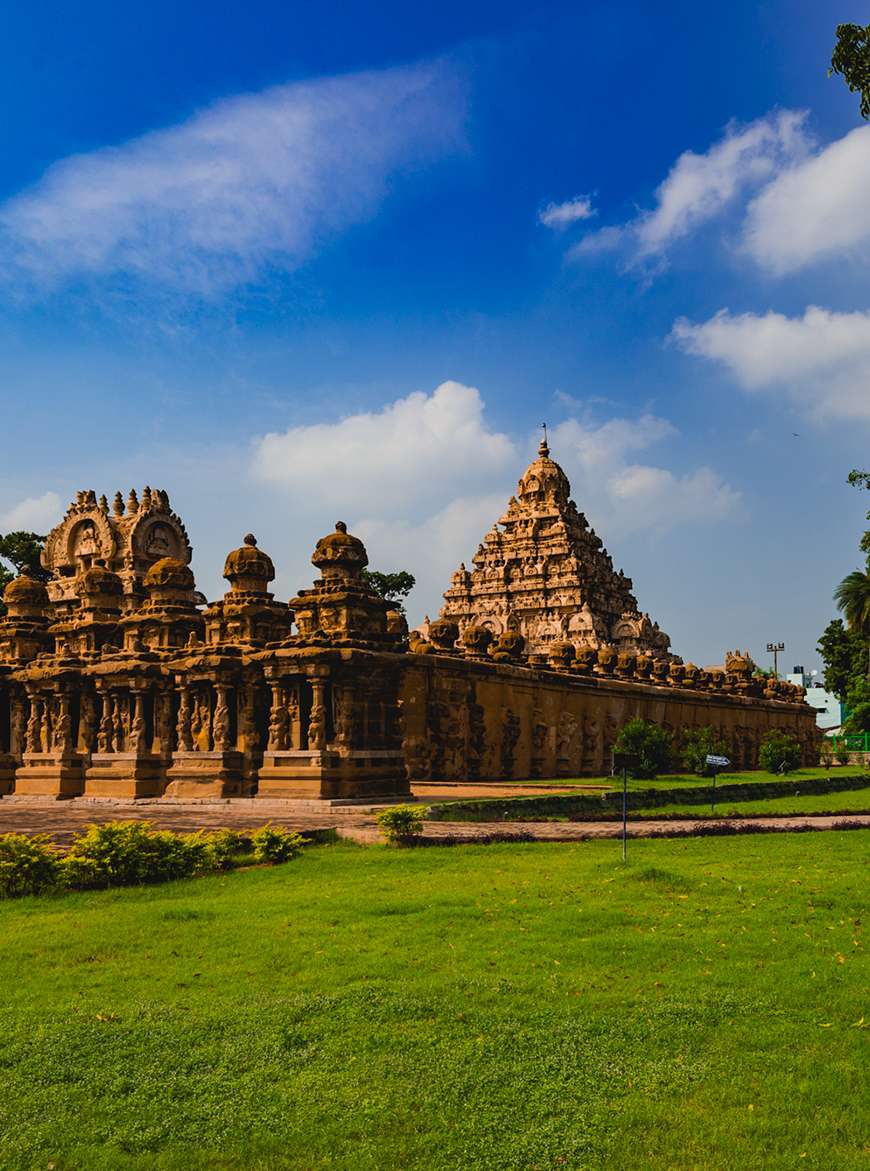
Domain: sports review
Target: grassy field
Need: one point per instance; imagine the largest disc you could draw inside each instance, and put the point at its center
(519, 1007)
(754, 777)
(856, 799)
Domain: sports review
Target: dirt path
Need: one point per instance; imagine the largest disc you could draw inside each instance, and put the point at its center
(62, 821)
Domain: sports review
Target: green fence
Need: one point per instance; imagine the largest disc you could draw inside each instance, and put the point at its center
(858, 743)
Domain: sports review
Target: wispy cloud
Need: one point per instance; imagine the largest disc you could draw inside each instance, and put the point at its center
(562, 215)
(253, 180)
(821, 360)
(36, 514)
(626, 497)
(700, 186)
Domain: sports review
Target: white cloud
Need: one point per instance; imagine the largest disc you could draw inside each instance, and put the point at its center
(821, 360)
(624, 497)
(34, 515)
(252, 180)
(423, 448)
(700, 187)
(562, 215)
(815, 209)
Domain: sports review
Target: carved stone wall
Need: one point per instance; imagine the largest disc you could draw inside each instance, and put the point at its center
(490, 721)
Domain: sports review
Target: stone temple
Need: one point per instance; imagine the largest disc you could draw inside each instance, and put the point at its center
(118, 681)
(548, 577)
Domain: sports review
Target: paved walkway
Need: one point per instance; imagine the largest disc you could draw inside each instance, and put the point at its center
(62, 821)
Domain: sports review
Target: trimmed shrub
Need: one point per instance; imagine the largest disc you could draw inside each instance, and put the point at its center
(700, 745)
(28, 866)
(127, 853)
(275, 844)
(401, 824)
(779, 752)
(654, 746)
(223, 845)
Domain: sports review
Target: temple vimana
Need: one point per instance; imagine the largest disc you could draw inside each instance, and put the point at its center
(118, 680)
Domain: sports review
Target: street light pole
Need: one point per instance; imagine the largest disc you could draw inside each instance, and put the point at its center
(774, 648)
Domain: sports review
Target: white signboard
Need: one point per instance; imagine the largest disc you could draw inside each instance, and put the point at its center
(719, 761)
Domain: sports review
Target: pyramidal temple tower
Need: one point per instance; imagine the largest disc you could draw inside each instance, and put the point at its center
(543, 573)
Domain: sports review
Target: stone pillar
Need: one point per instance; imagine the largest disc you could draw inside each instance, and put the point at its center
(33, 742)
(221, 721)
(107, 724)
(317, 719)
(137, 728)
(183, 731)
(277, 720)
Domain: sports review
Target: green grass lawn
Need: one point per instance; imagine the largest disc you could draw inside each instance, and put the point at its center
(855, 799)
(704, 1006)
(754, 777)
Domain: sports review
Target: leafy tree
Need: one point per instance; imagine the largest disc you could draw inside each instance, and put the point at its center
(779, 752)
(844, 654)
(700, 745)
(20, 549)
(851, 59)
(391, 586)
(858, 703)
(654, 746)
(852, 596)
(763, 672)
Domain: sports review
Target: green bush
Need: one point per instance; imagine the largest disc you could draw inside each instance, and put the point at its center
(223, 845)
(28, 865)
(126, 853)
(401, 824)
(274, 844)
(700, 745)
(654, 746)
(779, 752)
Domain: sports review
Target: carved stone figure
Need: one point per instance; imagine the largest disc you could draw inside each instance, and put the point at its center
(63, 728)
(509, 739)
(118, 728)
(317, 728)
(591, 744)
(221, 722)
(184, 729)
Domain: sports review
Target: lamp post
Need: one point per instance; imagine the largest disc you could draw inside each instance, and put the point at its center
(774, 648)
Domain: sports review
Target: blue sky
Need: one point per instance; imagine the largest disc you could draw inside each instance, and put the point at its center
(302, 261)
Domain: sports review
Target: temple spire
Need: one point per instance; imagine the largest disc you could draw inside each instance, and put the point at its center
(543, 450)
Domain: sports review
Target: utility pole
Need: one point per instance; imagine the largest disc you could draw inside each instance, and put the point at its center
(774, 648)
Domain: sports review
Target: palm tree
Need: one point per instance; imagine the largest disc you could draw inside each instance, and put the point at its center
(852, 596)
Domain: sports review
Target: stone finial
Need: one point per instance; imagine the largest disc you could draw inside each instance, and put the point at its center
(25, 594)
(249, 570)
(476, 640)
(340, 554)
(146, 499)
(132, 502)
(104, 505)
(169, 576)
(118, 504)
(443, 634)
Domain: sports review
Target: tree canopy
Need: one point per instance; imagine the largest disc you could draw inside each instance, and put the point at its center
(19, 549)
(391, 586)
(851, 59)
